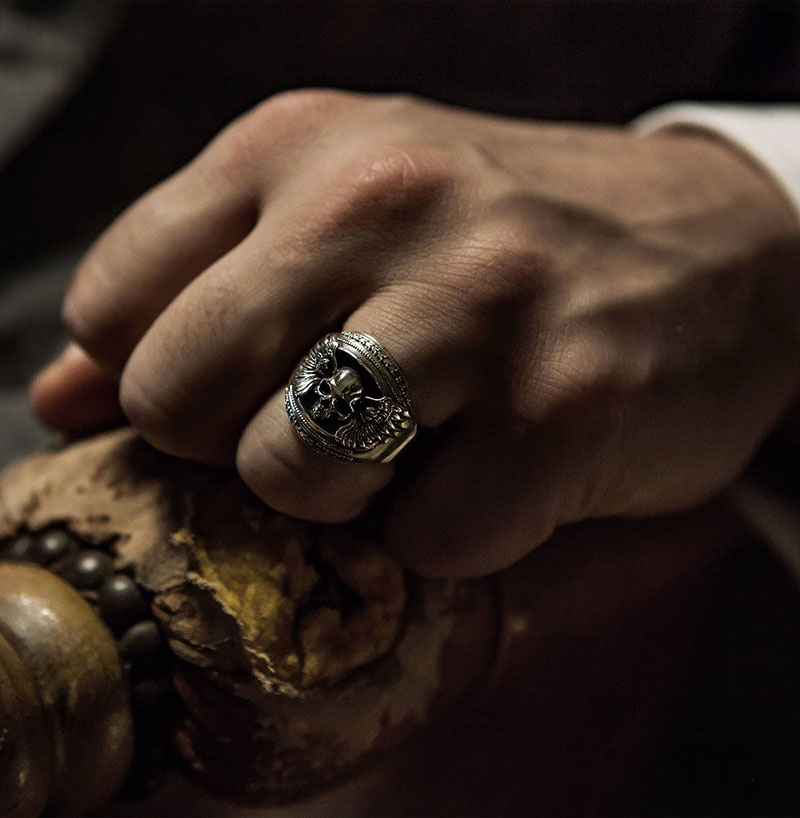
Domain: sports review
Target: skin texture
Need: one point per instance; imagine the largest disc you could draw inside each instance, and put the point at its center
(594, 322)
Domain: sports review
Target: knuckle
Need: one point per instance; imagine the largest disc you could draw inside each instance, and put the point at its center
(264, 469)
(147, 414)
(402, 110)
(516, 269)
(569, 376)
(233, 153)
(575, 368)
(506, 258)
(282, 482)
(300, 104)
(567, 383)
(83, 313)
(399, 103)
(493, 282)
(172, 418)
(97, 311)
(281, 119)
(392, 182)
(158, 213)
(75, 315)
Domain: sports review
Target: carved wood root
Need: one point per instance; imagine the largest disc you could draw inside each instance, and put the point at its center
(300, 650)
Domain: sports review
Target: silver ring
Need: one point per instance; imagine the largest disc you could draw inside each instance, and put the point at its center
(348, 399)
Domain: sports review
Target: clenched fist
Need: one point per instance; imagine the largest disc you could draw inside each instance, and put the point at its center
(592, 322)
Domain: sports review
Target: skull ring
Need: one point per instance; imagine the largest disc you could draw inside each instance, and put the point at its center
(348, 399)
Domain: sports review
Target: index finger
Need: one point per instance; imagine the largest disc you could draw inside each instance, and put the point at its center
(174, 232)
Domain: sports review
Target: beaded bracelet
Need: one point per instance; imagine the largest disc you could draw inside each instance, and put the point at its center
(124, 607)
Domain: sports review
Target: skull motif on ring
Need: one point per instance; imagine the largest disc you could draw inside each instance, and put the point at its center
(340, 397)
(337, 393)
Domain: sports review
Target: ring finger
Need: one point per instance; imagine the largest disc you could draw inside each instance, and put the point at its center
(431, 348)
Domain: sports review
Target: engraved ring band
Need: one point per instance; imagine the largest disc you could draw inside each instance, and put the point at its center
(348, 399)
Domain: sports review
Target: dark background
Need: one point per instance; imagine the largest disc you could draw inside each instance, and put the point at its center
(176, 72)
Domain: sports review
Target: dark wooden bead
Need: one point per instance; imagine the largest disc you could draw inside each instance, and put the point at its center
(143, 646)
(154, 703)
(86, 569)
(148, 768)
(52, 545)
(121, 602)
(20, 549)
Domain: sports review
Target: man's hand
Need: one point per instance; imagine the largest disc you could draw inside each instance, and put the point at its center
(593, 322)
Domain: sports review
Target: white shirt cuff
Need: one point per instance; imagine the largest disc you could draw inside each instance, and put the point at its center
(768, 134)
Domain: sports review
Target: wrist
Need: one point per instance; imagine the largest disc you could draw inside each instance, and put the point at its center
(734, 179)
(768, 135)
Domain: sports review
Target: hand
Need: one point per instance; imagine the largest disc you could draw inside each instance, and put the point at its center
(593, 322)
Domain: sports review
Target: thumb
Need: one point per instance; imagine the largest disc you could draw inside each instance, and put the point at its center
(75, 396)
